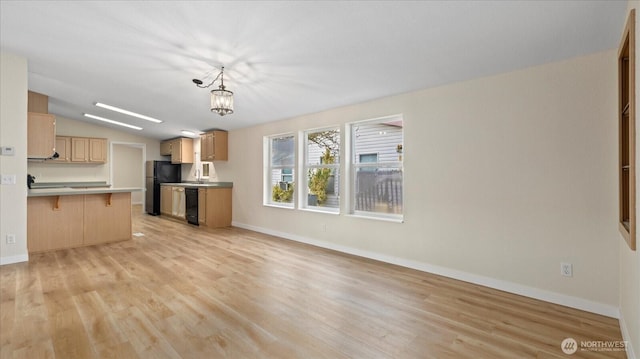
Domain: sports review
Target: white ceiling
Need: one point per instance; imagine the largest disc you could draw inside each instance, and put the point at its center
(281, 58)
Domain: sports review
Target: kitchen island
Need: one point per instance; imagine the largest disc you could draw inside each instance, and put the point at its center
(68, 217)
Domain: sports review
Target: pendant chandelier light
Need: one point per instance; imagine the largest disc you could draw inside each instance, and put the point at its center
(221, 99)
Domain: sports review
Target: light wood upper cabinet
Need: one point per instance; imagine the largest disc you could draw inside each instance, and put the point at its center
(88, 150)
(214, 146)
(180, 149)
(79, 149)
(63, 147)
(41, 135)
(165, 148)
(185, 151)
(207, 146)
(98, 150)
(37, 102)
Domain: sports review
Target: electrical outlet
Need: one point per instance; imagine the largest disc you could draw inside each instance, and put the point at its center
(11, 239)
(566, 269)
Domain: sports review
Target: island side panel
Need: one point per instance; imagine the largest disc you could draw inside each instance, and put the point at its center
(107, 217)
(51, 228)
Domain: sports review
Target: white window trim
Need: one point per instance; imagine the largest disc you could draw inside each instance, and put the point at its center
(267, 168)
(302, 174)
(349, 173)
(395, 218)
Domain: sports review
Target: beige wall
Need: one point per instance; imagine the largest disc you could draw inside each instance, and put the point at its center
(189, 169)
(13, 133)
(129, 171)
(630, 260)
(52, 172)
(505, 178)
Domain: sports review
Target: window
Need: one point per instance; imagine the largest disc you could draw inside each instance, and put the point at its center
(279, 170)
(205, 170)
(376, 172)
(322, 169)
(368, 158)
(287, 175)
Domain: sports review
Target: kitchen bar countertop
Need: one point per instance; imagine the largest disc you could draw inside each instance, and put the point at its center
(200, 185)
(69, 191)
(38, 185)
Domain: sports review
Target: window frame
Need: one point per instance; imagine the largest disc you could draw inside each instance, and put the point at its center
(304, 166)
(352, 166)
(268, 168)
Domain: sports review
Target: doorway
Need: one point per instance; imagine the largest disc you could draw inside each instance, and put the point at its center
(127, 168)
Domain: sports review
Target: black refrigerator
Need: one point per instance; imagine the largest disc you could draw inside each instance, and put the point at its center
(159, 172)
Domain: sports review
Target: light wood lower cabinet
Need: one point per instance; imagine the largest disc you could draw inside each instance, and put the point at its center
(218, 210)
(57, 222)
(166, 200)
(50, 228)
(107, 217)
(214, 205)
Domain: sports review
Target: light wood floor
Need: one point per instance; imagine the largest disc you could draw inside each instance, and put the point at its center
(187, 292)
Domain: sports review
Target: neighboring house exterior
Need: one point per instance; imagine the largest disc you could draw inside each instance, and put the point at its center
(378, 187)
(378, 142)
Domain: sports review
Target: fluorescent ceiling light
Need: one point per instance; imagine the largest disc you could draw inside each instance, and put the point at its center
(118, 109)
(112, 121)
(188, 133)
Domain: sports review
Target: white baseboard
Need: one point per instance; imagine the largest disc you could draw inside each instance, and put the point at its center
(627, 338)
(531, 292)
(14, 259)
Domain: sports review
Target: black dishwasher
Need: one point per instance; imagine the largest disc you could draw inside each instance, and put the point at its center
(191, 199)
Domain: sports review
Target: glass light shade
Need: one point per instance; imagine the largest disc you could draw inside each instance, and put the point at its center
(221, 101)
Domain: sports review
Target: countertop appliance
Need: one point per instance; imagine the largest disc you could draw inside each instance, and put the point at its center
(191, 197)
(159, 172)
(30, 180)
